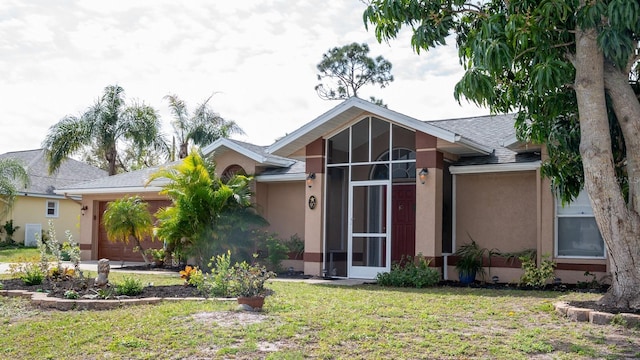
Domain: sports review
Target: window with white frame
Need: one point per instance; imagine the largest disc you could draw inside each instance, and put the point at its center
(577, 234)
(52, 208)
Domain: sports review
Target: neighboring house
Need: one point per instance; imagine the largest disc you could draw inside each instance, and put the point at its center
(365, 185)
(38, 203)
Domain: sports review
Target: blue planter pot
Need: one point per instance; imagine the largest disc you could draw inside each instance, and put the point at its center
(467, 278)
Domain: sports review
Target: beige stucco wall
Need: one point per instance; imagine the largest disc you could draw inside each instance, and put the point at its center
(497, 210)
(229, 158)
(283, 205)
(32, 210)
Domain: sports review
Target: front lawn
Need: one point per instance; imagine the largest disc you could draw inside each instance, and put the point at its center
(17, 254)
(319, 321)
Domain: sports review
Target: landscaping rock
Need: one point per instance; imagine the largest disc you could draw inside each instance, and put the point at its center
(600, 318)
(578, 314)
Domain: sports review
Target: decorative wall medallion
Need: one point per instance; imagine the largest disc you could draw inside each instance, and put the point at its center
(312, 202)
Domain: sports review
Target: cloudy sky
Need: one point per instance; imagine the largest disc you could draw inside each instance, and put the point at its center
(258, 57)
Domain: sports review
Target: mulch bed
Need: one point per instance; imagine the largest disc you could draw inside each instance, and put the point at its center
(86, 287)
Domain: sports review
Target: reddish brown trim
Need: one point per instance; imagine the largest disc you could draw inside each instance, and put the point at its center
(582, 267)
(316, 147)
(312, 257)
(315, 165)
(496, 262)
(429, 159)
(85, 247)
(435, 261)
(425, 141)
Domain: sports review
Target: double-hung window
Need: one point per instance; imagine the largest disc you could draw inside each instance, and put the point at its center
(577, 234)
(52, 208)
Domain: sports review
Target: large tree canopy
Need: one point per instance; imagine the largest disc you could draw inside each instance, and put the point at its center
(201, 128)
(107, 127)
(564, 66)
(346, 69)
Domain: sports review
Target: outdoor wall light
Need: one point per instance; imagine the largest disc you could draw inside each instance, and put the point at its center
(310, 178)
(423, 175)
(84, 209)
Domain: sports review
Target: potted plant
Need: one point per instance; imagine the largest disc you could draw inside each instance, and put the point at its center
(247, 283)
(157, 256)
(469, 263)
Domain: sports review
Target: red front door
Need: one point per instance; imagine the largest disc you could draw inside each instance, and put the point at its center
(403, 218)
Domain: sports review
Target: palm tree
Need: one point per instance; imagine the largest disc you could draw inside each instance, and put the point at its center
(104, 126)
(11, 173)
(201, 128)
(128, 218)
(205, 208)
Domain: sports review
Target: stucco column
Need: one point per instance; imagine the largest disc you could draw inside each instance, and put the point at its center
(429, 214)
(429, 198)
(313, 216)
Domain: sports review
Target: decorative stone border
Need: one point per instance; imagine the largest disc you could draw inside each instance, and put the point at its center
(595, 317)
(41, 299)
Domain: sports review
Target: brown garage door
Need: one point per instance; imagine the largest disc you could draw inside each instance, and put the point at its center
(119, 251)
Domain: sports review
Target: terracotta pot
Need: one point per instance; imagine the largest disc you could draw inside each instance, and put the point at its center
(255, 302)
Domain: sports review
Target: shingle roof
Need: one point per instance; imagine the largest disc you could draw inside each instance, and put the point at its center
(70, 172)
(491, 131)
(133, 179)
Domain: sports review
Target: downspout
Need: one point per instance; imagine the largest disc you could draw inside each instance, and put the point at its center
(66, 196)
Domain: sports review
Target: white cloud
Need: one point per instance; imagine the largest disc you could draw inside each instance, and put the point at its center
(259, 57)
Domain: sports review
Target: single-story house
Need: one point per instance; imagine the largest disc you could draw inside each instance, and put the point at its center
(38, 203)
(365, 185)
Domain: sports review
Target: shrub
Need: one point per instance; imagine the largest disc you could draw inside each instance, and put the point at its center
(410, 273)
(247, 280)
(33, 274)
(536, 276)
(217, 283)
(129, 286)
(187, 273)
(276, 249)
(71, 294)
(60, 274)
(1, 286)
(296, 245)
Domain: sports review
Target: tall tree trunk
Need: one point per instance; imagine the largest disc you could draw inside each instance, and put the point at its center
(184, 150)
(111, 155)
(617, 226)
(142, 251)
(627, 108)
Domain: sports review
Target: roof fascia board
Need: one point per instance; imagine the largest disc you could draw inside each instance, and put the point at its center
(390, 115)
(280, 178)
(246, 152)
(493, 168)
(117, 190)
(38, 195)
(486, 150)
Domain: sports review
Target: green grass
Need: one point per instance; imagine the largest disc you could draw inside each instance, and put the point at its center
(9, 255)
(325, 322)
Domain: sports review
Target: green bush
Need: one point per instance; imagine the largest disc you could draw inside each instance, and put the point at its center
(410, 273)
(71, 294)
(129, 286)
(33, 275)
(537, 276)
(276, 249)
(217, 283)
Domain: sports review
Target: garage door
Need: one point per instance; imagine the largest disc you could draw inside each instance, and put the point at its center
(119, 251)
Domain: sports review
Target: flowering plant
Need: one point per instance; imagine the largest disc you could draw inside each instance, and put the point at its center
(247, 280)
